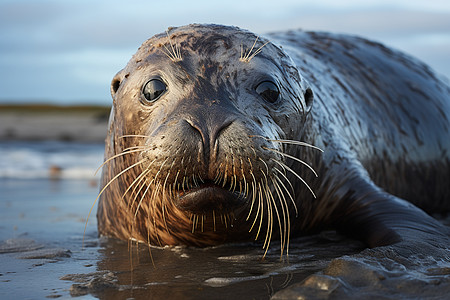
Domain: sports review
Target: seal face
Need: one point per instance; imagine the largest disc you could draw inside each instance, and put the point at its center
(213, 137)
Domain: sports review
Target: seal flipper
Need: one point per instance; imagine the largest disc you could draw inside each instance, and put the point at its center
(381, 219)
(365, 211)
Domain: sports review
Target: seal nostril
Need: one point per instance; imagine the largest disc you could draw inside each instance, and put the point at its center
(219, 129)
(197, 127)
(309, 97)
(115, 85)
(211, 131)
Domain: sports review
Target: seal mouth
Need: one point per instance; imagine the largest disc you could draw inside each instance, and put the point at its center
(208, 197)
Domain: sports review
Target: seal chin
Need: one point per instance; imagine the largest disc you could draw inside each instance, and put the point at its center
(209, 197)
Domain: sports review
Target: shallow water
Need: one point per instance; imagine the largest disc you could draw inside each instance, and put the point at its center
(35, 160)
(38, 215)
(43, 255)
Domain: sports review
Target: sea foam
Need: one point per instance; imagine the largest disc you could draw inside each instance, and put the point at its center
(49, 159)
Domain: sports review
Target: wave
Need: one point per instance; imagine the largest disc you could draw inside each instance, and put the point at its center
(49, 159)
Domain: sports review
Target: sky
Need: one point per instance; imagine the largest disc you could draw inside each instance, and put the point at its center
(67, 52)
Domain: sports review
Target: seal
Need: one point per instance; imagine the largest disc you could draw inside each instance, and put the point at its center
(217, 135)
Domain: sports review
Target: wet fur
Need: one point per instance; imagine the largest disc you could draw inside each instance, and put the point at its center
(382, 119)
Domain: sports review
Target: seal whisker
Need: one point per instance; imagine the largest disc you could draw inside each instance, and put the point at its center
(118, 175)
(294, 158)
(163, 208)
(142, 186)
(286, 215)
(105, 187)
(203, 218)
(287, 180)
(283, 224)
(253, 197)
(218, 176)
(255, 194)
(174, 53)
(164, 205)
(298, 176)
(133, 135)
(182, 183)
(270, 215)
(234, 181)
(267, 168)
(149, 248)
(289, 194)
(256, 52)
(140, 177)
(142, 198)
(201, 178)
(244, 193)
(193, 177)
(240, 189)
(153, 192)
(260, 208)
(139, 204)
(138, 189)
(167, 52)
(179, 52)
(233, 170)
(269, 196)
(194, 224)
(124, 152)
(175, 181)
(254, 152)
(225, 173)
(247, 57)
(269, 220)
(152, 201)
(292, 142)
(136, 183)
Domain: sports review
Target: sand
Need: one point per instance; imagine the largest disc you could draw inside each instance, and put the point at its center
(47, 122)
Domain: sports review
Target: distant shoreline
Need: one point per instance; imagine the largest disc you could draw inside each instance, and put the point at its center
(45, 107)
(35, 122)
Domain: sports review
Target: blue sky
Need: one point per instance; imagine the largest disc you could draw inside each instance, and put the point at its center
(68, 51)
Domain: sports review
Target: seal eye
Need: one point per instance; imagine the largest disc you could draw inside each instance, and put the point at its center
(268, 90)
(153, 89)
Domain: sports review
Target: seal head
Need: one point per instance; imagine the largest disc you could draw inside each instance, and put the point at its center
(200, 113)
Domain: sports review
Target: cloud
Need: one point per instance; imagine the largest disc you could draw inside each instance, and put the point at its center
(71, 49)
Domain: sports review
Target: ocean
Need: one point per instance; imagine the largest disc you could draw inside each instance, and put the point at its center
(49, 159)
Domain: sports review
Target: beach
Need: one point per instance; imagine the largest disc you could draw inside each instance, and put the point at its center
(49, 122)
(44, 253)
(41, 234)
(49, 155)
(48, 190)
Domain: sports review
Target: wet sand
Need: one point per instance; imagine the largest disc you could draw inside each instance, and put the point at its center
(41, 233)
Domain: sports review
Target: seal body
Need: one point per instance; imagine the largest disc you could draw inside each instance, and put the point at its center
(217, 135)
